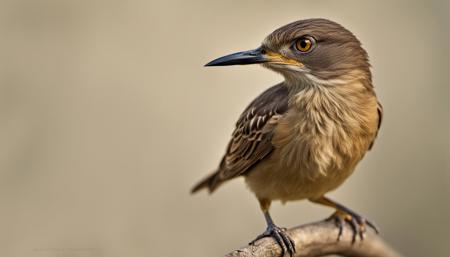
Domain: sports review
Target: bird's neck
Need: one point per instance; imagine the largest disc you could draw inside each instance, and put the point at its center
(314, 95)
(351, 81)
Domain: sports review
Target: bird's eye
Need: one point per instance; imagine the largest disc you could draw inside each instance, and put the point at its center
(305, 44)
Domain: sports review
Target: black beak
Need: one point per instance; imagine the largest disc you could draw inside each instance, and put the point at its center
(240, 58)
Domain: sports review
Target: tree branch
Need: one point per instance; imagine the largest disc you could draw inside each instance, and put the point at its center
(320, 239)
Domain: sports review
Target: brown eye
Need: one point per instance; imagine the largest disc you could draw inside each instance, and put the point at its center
(304, 44)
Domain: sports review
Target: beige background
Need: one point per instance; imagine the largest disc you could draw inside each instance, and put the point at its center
(107, 118)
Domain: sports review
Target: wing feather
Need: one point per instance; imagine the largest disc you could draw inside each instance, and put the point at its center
(380, 119)
(251, 139)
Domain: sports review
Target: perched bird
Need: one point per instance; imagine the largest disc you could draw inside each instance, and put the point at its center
(303, 137)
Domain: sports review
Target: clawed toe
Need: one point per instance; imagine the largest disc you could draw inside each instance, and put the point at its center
(281, 237)
(357, 223)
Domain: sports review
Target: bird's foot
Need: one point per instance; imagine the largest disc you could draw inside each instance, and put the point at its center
(357, 223)
(281, 237)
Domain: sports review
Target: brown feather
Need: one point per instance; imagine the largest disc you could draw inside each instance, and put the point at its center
(251, 140)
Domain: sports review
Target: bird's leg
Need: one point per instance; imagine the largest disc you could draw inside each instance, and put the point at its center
(344, 214)
(279, 234)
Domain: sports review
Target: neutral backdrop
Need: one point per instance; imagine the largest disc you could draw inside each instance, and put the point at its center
(108, 117)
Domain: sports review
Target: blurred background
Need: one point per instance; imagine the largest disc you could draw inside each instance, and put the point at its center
(107, 118)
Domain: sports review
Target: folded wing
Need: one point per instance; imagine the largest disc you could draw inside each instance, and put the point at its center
(251, 139)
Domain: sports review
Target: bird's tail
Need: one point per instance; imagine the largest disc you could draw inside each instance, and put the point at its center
(211, 182)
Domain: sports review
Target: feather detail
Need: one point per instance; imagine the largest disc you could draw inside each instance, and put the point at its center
(251, 139)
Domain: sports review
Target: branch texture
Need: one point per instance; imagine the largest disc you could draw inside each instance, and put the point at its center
(320, 239)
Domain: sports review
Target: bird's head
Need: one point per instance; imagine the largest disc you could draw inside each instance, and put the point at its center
(316, 50)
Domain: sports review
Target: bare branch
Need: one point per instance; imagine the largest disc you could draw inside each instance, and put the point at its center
(320, 239)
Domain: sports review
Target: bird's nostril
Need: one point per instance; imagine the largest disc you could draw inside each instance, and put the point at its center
(263, 51)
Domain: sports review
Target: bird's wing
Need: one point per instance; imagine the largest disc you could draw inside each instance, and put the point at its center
(251, 139)
(380, 119)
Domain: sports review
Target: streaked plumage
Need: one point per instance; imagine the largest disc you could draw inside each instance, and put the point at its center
(251, 141)
(302, 138)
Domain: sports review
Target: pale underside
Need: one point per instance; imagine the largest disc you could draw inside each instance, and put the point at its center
(317, 143)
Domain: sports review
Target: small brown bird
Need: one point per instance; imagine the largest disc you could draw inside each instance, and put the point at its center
(303, 137)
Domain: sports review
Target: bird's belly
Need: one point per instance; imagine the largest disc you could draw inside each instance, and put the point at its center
(306, 166)
(270, 180)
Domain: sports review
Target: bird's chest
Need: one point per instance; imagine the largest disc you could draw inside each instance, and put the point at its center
(317, 146)
(314, 150)
(327, 130)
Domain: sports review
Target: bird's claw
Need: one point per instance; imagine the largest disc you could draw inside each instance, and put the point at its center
(357, 223)
(281, 237)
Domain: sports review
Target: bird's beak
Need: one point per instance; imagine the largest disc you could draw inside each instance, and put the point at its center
(253, 56)
(241, 58)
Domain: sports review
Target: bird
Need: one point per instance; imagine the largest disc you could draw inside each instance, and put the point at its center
(303, 137)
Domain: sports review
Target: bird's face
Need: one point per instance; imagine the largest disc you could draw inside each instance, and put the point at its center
(316, 49)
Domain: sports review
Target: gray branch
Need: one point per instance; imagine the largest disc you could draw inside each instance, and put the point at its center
(320, 239)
